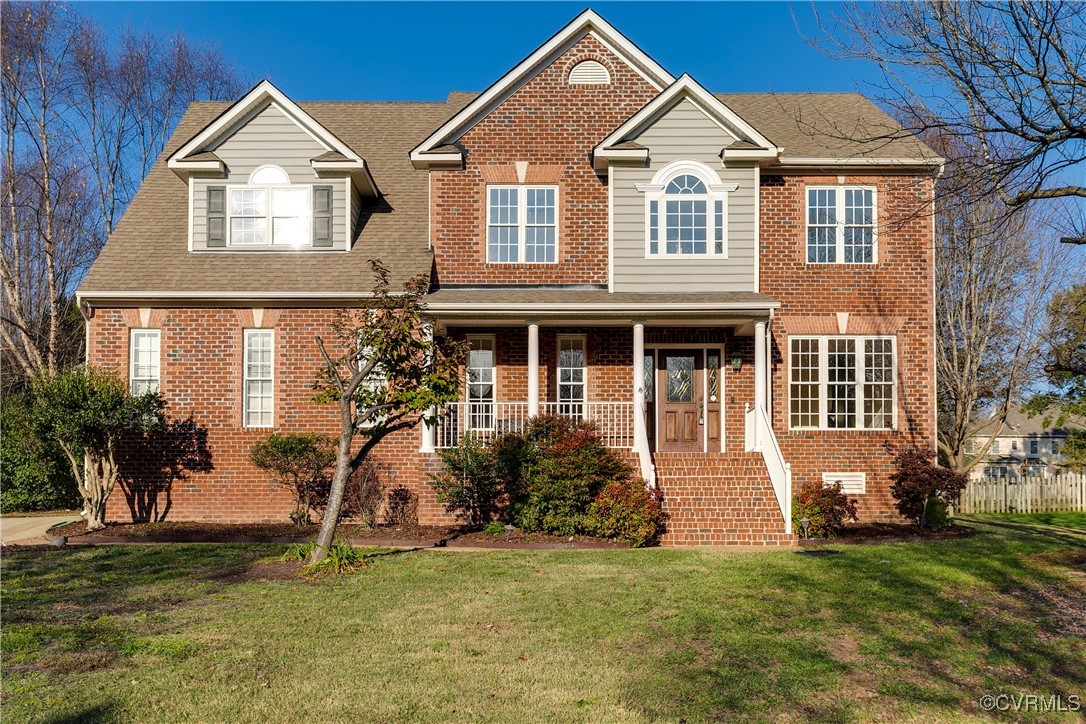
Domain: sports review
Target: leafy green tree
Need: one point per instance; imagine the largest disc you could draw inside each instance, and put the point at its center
(1065, 405)
(88, 412)
(385, 372)
(36, 475)
(300, 463)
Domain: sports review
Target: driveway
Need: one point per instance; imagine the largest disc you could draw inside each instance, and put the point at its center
(30, 529)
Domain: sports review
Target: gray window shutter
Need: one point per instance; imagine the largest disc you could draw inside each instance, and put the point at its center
(216, 216)
(322, 216)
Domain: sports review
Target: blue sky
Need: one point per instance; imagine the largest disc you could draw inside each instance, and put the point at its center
(421, 51)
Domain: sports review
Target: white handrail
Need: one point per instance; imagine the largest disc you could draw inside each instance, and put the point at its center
(760, 437)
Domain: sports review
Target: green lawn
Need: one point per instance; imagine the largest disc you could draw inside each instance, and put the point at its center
(906, 631)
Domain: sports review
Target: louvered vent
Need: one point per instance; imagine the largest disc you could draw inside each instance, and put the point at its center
(589, 72)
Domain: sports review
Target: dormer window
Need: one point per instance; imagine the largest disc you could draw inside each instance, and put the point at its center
(686, 212)
(268, 210)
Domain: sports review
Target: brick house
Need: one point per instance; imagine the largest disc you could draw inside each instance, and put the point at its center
(736, 289)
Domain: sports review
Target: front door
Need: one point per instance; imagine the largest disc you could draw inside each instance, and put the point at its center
(680, 400)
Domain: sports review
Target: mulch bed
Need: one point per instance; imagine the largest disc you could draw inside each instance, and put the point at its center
(531, 541)
(192, 532)
(868, 533)
(383, 535)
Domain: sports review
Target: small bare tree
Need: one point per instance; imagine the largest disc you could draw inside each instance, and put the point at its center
(83, 120)
(385, 372)
(1004, 79)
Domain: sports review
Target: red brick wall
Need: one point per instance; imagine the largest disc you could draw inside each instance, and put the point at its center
(201, 357)
(554, 127)
(894, 296)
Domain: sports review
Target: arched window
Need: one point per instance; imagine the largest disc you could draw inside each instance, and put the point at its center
(686, 211)
(269, 176)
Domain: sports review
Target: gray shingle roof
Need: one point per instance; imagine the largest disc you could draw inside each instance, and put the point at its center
(820, 125)
(148, 251)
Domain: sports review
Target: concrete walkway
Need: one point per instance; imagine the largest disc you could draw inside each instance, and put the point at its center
(30, 529)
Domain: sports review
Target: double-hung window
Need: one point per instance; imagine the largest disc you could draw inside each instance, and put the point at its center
(571, 376)
(841, 226)
(269, 211)
(842, 383)
(522, 224)
(481, 364)
(145, 361)
(257, 368)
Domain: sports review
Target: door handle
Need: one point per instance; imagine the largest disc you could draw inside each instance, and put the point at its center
(701, 410)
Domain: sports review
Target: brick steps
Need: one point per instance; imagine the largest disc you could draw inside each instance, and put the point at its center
(719, 499)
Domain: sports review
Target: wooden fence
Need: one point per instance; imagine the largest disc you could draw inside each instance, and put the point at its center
(1063, 492)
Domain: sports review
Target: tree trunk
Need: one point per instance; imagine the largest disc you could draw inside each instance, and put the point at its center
(98, 483)
(344, 461)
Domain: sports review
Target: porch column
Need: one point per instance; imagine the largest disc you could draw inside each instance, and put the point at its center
(759, 365)
(533, 368)
(638, 380)
(429, 431)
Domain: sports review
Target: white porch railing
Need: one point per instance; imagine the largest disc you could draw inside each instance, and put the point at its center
(760, 437)
(614, 420)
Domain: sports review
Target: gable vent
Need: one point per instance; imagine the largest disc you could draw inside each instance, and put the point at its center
(589, 72)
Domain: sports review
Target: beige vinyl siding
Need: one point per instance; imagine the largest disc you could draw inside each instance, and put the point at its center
(684, 133)
(266, 137)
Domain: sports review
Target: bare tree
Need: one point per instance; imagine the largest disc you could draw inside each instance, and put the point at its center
(995, 274)
(83, 120)
(1006, 80)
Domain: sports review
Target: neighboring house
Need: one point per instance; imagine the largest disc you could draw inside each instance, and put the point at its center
(728, 284)
(1025, 446)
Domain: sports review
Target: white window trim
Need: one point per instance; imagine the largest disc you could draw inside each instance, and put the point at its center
(654, 191)
(823, 382)
(840, 215)
(522, 223)
(493, 340)
(132, 379)
(583, 339)
(269, 217)
(245, 379)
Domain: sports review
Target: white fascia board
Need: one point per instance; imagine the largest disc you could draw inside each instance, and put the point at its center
(177, 164)
(686, 87)
(430, 160)
(233, 296)
(357, 169)
(863, 161)
(588, 21)
(747, 154)
(264, 92)
(596, 308)
(603, 157)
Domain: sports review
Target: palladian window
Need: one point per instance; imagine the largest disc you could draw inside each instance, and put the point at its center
(686, 212)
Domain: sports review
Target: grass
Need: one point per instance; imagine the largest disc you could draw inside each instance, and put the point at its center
(903, 631)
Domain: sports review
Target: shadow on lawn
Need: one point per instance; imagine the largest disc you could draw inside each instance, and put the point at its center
(880, 629)
(90, 715)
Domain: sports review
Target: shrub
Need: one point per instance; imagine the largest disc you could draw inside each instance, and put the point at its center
(342, 558)
(565, 469)
(300, 463)
(626, 509)
(467, 484)
(402, 507)
(935, 514)
(918, 480)
(36, 474)
(364, 492)
(826, 507)
(494, 528)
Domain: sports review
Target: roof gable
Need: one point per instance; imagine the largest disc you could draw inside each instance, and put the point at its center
(751, 143)
(194, 154)
(587, 23)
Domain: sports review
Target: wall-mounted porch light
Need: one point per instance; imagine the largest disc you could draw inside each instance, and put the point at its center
(737, 363)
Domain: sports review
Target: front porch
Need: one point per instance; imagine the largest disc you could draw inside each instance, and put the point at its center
(674, 389)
